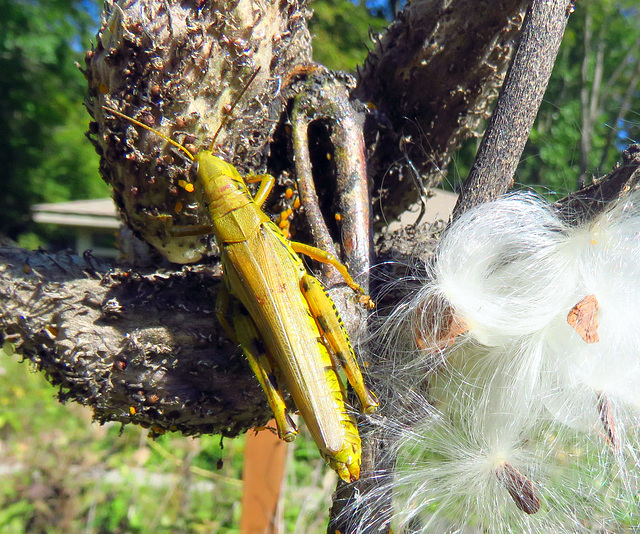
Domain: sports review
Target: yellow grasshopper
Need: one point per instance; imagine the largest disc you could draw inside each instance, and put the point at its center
(285, 322)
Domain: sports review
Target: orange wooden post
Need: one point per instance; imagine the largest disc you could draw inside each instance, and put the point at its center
(262, 477)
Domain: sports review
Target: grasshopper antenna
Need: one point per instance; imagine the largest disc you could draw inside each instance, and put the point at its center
(142, 125)
(233, 106)
(175, 143)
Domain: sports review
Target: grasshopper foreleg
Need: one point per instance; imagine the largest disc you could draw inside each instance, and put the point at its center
(331, 327)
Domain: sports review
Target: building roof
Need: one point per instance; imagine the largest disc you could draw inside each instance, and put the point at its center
(97, 213)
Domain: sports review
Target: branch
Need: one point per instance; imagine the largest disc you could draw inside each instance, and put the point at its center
(324, 104)
(492, 172)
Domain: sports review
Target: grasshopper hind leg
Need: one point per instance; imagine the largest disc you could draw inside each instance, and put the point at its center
(245, 333)
(330, 325)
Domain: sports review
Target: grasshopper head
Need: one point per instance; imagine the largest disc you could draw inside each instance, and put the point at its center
(218, 178)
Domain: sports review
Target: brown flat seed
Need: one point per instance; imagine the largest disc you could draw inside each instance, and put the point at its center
(583, 317)
(521, 489)
(608, 421)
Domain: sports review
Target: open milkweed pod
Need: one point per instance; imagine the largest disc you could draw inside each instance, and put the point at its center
(527, 421)
(497, 268)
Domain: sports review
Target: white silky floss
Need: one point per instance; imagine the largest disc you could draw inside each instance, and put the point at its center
(606, 255)
(529, 334)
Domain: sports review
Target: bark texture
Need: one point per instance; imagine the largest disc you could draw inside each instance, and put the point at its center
(432, 78)
(137, 348)
(499, 153)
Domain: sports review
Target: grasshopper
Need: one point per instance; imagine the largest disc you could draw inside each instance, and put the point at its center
(282, 317)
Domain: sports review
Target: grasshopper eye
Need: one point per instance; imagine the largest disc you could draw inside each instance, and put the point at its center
(193, 171)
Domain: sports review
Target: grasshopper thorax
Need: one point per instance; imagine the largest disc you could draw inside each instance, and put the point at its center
(233, 212)
(219, 179)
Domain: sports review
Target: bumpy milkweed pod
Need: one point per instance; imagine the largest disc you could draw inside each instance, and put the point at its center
(179, 66)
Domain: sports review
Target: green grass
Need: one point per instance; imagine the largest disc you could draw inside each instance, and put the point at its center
(61, 473)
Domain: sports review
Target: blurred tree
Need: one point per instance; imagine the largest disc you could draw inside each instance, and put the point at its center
(341, 32)
(587, 116)
(45, 156)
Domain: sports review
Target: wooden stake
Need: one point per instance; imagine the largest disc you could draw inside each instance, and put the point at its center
(262, 477)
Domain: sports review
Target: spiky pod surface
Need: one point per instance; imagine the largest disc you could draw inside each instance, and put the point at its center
(178, 67)
(516, 374)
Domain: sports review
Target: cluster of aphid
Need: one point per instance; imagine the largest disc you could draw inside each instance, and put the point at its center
(288, 203)
(525, 403)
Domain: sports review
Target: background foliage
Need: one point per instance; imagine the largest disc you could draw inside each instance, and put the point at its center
(44, 155)
(341, 32)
